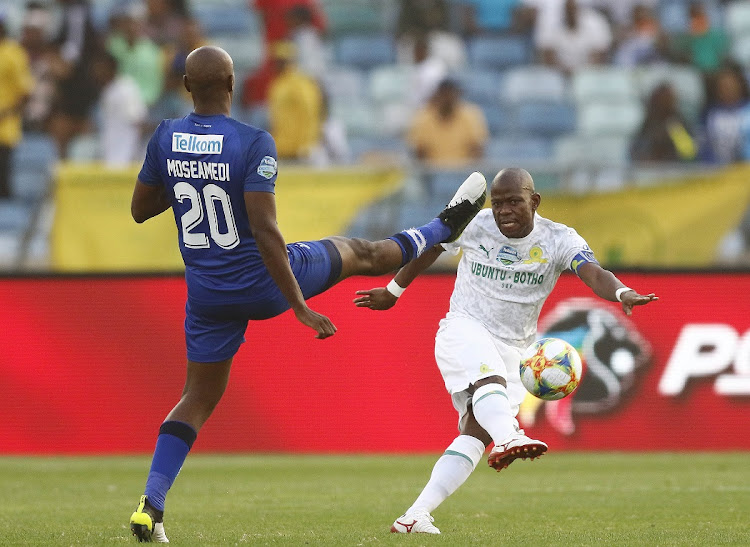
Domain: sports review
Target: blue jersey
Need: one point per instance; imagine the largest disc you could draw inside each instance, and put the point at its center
(206, 164)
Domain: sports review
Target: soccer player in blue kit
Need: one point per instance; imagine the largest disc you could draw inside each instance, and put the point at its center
(218, 176)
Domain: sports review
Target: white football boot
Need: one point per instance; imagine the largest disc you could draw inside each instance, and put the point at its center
(465, 204)
(415, 522)
(517, 445)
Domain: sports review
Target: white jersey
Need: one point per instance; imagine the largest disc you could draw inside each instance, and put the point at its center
(503, 282)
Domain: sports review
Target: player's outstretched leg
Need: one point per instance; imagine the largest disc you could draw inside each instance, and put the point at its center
(362, 257)
(147, 524)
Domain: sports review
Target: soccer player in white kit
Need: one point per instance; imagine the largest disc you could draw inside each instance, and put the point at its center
(512, 258)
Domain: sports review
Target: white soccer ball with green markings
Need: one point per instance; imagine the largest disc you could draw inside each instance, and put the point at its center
(551, 369)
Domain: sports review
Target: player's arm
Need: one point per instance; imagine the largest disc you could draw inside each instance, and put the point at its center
(606, 285)
(261, 212)
(148, 201)
(381, 298)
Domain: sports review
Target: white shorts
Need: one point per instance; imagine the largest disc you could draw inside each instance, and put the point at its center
(466, 352)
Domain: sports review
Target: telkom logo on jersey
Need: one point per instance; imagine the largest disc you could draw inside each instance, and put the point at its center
(188, 143)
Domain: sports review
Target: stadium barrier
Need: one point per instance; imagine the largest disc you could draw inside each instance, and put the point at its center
(642, 227)
(93, 364)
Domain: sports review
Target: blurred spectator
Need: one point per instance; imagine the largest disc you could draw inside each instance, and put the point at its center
(620, 12)
(137, 55)
(164, 20)
(294, 106)
(311, 56)
(15, 86)
(644, 41)
(581, 36)
(333, 146)
(122, 112)
(191, 37)
(429, 71)
(35, 34)
(664, 136)
(448, 131)
(275, 21)
(703, 45)
(725, 117)
(78, 43)
(420, 18)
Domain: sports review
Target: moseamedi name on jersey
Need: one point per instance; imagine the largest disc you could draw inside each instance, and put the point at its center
(189, 143)
(193, 169)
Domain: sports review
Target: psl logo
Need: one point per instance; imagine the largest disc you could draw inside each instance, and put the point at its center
(614, 355)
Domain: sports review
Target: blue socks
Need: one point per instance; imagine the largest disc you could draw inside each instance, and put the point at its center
(415, 241)
(172, 447)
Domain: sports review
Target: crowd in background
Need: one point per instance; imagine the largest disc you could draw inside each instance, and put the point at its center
(119, 81)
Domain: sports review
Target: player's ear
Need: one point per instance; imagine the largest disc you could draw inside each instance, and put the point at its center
(230, 83)
(536, 199)
(186, 82)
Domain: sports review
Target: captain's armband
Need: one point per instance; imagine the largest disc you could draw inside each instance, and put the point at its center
(583, 257)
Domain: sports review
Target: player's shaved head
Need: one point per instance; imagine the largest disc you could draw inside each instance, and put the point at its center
(513, 178)
(209, 74)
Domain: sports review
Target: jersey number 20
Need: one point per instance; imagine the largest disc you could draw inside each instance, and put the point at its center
(212, 195)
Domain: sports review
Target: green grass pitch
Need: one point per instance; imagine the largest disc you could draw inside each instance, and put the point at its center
(561, 499)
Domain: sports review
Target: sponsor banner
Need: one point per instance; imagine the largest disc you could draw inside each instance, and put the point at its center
(94, 232)
(92, 365)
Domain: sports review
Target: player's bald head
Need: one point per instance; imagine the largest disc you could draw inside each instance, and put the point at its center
(513, 179)
(208, 70)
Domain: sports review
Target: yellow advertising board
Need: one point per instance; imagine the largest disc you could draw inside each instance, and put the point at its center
(672, 224)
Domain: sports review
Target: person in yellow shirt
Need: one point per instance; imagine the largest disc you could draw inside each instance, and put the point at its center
(448, 131)
(16, 84)
(294, 106)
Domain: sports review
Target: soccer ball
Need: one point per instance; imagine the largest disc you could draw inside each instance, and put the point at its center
(551, 369)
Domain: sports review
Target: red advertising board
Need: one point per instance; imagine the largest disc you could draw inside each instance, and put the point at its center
(92, 365)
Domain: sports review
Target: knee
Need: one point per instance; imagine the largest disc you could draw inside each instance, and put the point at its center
(363, 249)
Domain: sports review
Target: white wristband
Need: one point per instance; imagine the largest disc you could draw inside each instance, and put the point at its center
(620, 291)
(394, 288)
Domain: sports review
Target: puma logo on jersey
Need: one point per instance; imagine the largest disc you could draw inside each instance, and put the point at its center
(486, 251)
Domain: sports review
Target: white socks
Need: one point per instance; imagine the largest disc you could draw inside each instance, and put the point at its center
(450, 472)
(492, 411)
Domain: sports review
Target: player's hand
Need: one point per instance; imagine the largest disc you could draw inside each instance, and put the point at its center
(375, 299)
(317, 321)
(632, 298)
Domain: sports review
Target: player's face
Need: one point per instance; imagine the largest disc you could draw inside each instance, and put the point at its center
(513, 209)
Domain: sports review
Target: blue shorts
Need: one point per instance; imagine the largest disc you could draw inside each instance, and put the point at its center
(214, 332)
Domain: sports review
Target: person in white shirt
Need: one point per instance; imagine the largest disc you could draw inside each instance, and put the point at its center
(576, 37)
(512, 258)
(122, 113)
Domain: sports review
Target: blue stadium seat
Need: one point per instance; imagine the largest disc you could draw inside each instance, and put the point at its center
(548, 119)
(344, 83)
(737, 17)
(499, 52)
(499, 119)
(33, 162)
(442, 185)
(364, 148)
(741, 50)
(533, 83)
(365, 52)
(390, 83)
(479, 85)
(604, 84)
(613, 119)
(355, 16)
(246, 50)
(359, 118)
(578, 151)
(217, 20)
(518, 149)
(15, 216)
